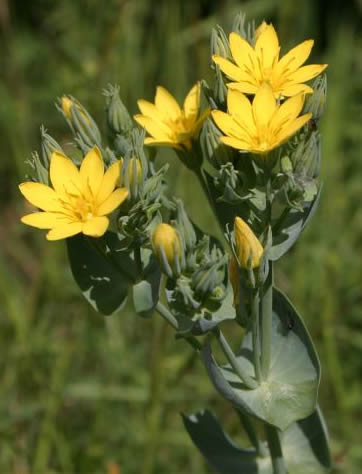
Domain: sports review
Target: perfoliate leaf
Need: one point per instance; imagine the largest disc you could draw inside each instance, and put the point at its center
(304, 446)
(291, 227)
(289, 392)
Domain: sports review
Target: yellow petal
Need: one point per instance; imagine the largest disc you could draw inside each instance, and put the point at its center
(167, 103)
(64, 231)
(192, 103)
(154, 127)
(294, 89)
(267, 46)
(264, 106)
(155, 142)
(91, 172)
(95, 227)
(246, 87)
(306, 73)
(45, 220)
(64, 175)
(240, 108)
(112, 202)
(291, 128)
(236, 143)
(293, 59)
(231, 70)
(110, 178)
(243, 53)
(150, 110)
(41, 196)
(227, 124)
(287, 112)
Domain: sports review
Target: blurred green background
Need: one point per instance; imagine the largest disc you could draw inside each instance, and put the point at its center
(80, 393)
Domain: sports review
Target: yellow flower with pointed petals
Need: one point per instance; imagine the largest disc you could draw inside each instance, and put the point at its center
(261, 126)
(79, 200)
(168, 123)
(254, 66)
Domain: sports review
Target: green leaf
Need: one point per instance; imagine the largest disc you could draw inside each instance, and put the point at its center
(99, 275)
(304, 445)
(146, 292)
(291, 227)
(290, 390)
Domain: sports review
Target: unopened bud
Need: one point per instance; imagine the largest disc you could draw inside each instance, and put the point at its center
(220, 90)
(81, 123)
(118, 118)
(185, 226)
(216, 152)
(249, 250)
(219, 44)
(48, 145)
(315, 103)
(131, 175)
(167, 248)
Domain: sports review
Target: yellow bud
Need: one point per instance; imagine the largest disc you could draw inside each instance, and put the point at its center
(234, 279)
(166, 245)
(66, 104)
(247, 244)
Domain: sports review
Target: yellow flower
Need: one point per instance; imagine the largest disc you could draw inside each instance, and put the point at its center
(167, 247)
(168, 123)
(254, 66)
(79, 199)
(247, 245)
(261, 126)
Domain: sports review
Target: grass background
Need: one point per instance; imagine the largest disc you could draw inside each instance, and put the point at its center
(84, 394)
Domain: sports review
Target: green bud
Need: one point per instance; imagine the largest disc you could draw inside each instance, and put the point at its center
(185, 226)
(131, 175)
(220, 90)
(81, 123)
(215, 152)
(286, 165)
(48, 145)
(219, 44)
(118, 118)
(307, 157)
(41, 174)
(316, 102)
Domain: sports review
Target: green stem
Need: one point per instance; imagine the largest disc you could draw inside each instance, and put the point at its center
(256, 334)
(275, 449)
(266, 322)
(252, 434)
(170, 318)
(137, 258)
(229, 354)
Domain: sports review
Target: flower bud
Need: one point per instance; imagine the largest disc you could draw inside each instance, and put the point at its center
(315, 103)
(167, 248)
(216, 152)
(81, 123)
(48, 145)
(248, 248)
(185, 226)
(219, 43)
(118, 118)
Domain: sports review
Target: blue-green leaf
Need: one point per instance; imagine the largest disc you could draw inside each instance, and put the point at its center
(289, 393)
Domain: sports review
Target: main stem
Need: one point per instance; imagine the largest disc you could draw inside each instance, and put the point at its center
(266, 322)
(275, 449)
(256, 334)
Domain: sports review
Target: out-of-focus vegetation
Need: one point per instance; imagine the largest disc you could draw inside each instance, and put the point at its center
(84, 394)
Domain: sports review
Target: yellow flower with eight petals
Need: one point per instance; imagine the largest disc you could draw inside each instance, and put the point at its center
(168, 123)
(79, 200)
(261, 126)
(254, 66)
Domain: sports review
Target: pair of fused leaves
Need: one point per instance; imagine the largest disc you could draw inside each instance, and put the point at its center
(305, 446)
